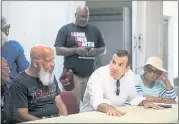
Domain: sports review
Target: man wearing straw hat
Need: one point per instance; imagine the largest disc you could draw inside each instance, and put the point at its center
(153, 84)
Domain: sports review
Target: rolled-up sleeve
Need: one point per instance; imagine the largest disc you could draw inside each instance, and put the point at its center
(136, 100)
(95, 90)
(166, 93)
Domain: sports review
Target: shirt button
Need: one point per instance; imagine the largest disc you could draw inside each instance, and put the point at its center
(2, 109)
(4, 121)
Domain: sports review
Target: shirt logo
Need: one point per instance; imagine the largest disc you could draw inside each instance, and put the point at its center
(81, 39)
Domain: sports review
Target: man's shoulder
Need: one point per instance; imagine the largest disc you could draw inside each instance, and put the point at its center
(92, 26)
(130, 73)
(102, 69)
(13, 42)
(129, 76)
(13, 45)
(66, 26)
(20, 78)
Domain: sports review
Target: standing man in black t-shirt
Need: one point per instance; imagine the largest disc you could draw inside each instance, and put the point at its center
(35, 91)
(80, 43)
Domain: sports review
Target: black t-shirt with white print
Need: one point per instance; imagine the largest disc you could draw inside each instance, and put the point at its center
(72, 36)
(28, 92)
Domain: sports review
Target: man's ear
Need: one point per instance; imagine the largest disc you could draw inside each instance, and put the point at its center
(128, 67)
(35, 63)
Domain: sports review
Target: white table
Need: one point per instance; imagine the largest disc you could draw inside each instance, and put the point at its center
(135, 114)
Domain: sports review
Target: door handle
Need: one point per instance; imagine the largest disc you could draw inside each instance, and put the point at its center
(140, 42)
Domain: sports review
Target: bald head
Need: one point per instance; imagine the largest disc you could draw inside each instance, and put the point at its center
(40, 52)
(82, 15)
(42, 57)
(42, 63)
(82, 8)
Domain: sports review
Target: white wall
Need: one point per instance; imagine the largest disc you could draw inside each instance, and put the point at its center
(154, 29)
(170, 9)
(37, 22)
(147, 21)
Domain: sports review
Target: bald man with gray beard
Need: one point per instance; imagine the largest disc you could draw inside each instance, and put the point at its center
(35, 91)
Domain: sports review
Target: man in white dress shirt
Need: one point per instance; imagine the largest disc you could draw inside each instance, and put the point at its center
(111, 85)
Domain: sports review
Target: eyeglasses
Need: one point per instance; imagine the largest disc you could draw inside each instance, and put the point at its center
(5, 67)
(118, 86)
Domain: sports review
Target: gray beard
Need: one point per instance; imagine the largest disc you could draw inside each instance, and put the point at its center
(46, 78)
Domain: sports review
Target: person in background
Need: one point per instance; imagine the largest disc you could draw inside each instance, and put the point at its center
(80, 43)
(35, 91)
(6, 107)
(12, 51)
(153, 84)
(111, 86)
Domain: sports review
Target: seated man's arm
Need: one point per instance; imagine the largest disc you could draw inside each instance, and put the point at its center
(103, 107)
(97, 101)
(20, 99)
(61, 106)
(59, 103)
(109, 110)
(95, 90)
(23, 112)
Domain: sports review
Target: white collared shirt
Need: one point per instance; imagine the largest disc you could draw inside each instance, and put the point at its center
(101, 88)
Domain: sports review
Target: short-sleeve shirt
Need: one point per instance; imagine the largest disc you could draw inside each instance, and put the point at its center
(13, 53)
(28, 92)
(73, 36)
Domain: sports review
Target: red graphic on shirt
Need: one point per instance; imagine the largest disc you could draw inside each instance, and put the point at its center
(72, 34)
(41, 93)
(80, 44)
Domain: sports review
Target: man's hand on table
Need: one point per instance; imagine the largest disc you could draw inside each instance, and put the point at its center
(111, 111)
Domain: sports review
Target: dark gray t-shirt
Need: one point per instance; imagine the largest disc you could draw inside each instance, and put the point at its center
(73, 36)
(28, 92)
